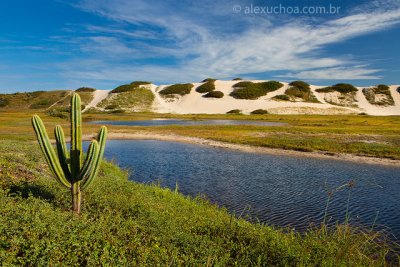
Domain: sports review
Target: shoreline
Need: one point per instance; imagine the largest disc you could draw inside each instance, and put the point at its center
(249, 148)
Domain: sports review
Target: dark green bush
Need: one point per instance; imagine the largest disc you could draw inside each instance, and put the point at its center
(259, 111)
(214, 94)
(40, 104)
(112, 106)
(208, 80)
(118, 111)
(177, 89)
(206, 87)
(4, 102)
(124, 88)
(85, 89)
(57, 113)
(282, 97)
(137, 83)
(301, 85)
(250, 90)
(237, 79)
(343, 88)
(234, 111)
(398, 89)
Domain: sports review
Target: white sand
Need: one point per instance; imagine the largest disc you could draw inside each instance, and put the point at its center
(98, 96)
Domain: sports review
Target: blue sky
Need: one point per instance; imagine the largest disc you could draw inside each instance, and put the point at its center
(64, 44)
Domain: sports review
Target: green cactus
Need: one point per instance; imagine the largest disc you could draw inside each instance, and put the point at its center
(70, 169)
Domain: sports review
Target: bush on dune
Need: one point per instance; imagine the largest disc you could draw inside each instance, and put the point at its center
(343, 88)
(234, 111)
(214, 94)
(85, 89)
(208, 80)
(137, 83)
(281, 97)
(177, 89)
(301, 85)
(4, 102)
(237, 79)
(206, 87)
(124, 88)
(250, 90)
(259, 111)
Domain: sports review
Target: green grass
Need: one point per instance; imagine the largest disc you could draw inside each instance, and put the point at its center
(299, 89)
(250, 90)
(127, 223)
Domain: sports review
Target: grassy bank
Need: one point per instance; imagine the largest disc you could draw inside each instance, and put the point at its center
(126, 223)
(359, 135)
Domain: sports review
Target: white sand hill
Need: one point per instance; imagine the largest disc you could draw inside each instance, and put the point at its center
(195, 103)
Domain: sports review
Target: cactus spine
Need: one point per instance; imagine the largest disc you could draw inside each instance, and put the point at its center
(69, 169)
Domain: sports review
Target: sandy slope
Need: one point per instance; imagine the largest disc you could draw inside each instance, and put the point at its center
(194, 103)
(98, 96)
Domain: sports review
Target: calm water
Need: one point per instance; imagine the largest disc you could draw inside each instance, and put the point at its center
(189, 122)
(279, 190)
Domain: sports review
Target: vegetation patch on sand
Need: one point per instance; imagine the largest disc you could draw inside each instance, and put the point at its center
(299, 91)
(126, 223)
(341, 94)
(379, 95)
(177, 89)
(129, 87)
(85, 89)
(206, 87)
(214, 94)
(250, 90)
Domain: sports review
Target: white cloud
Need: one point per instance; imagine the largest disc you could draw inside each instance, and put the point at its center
(206, 45)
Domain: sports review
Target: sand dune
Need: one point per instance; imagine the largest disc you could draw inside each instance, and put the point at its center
(195, 103)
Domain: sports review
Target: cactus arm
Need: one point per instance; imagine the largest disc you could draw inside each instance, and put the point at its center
(91, 158)
(76, 136)
(101, 138)
(48, 151)
(62, 151)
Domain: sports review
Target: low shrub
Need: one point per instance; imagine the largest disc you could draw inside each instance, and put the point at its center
(343, 88)
(250, 90)
(398, 89)
(206, 87)
(137, 83)
(177, 89)
(85, 89)
(208, 80)
(124, 88)
(301, 90)
(112, 106)
(259, 111)
(58, 113)
(40, 104)
(4, 102)
(237, 79)
(281, 97)
(234, 111)
(214, 94)
(118, 111)
(300, 84)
